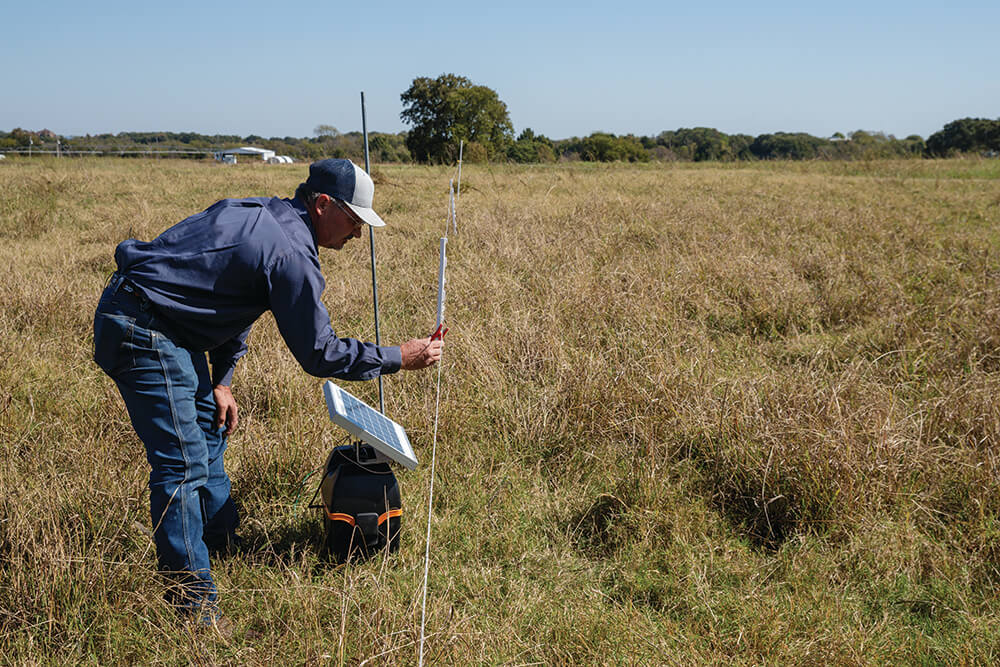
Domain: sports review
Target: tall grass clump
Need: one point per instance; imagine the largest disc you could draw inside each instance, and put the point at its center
(689, 414)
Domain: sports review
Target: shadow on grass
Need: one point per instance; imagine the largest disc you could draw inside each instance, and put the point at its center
(765, 521)
(764, 509)
(278, 543)
(601, 528)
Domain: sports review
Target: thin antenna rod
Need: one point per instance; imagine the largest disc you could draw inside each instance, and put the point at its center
(451, 207)
(371, 244)
(443, 259)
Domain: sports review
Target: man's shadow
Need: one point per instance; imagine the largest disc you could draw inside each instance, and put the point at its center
(279, 544)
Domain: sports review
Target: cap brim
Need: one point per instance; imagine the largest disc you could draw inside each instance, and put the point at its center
(367, 214)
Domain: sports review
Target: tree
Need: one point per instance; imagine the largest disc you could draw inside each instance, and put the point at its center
(323, 130)
(700, 144)
(531, 147)
(788, 146)
(739, 146)
(703, 143)
(966, 135)
(605, 147)
(448, 109)
(22, 137)
(389, 147)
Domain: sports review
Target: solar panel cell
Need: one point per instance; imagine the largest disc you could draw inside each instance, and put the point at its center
(370, 425)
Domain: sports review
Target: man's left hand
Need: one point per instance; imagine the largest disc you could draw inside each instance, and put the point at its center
(226, 411)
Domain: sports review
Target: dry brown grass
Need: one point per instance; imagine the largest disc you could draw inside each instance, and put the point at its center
(691, 414)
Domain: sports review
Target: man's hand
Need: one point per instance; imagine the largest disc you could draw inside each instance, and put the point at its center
(421, 353)
(226, 411)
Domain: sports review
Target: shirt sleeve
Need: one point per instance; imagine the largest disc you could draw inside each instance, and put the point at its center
(295, 284)
(224, 358)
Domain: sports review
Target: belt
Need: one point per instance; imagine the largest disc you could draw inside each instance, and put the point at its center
(129, 287)
(122, 286)
(119, 283)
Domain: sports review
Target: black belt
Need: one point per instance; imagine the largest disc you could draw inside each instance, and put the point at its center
(128, 287)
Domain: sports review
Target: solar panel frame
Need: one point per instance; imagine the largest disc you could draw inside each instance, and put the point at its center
(368, 424)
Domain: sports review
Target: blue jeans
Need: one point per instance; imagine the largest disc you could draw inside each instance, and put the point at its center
(167, 390)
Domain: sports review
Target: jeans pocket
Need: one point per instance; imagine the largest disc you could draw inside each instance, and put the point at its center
(110, 334)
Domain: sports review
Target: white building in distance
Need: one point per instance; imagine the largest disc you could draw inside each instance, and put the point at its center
(229, 155)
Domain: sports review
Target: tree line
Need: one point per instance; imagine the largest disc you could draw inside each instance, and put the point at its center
(327, 142)
(450, 111)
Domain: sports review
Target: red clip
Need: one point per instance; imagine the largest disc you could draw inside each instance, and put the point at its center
(439, 335)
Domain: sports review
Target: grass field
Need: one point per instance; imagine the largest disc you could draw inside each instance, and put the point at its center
(691, 414)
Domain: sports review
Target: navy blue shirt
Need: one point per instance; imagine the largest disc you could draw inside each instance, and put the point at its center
(212, 275)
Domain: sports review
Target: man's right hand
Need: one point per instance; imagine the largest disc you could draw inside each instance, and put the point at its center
(420, 353)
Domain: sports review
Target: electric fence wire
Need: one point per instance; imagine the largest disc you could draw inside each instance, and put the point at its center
(437, 413)
(430, 507)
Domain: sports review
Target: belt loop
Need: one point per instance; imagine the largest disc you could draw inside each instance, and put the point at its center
(120, 283)
(115, 282)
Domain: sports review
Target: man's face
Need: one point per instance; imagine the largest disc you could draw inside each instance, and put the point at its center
(335, 223)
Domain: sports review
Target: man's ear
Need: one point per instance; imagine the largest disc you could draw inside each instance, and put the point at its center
(323, 201)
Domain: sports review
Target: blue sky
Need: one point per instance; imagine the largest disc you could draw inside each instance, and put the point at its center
(564, 69)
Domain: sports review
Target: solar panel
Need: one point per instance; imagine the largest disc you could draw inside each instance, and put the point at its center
(368, 424)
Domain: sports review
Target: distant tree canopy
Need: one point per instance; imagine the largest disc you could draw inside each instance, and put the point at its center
(530, 147)
(604, 147)
(966, 135)
(705, 143)
(449, 109)
(787, 145)
(324, 130)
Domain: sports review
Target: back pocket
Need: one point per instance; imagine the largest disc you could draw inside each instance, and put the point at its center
(110, 334)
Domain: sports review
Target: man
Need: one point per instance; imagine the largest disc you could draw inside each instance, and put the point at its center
(196, 289)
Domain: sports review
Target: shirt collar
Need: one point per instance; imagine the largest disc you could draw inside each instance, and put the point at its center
(300, 208)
